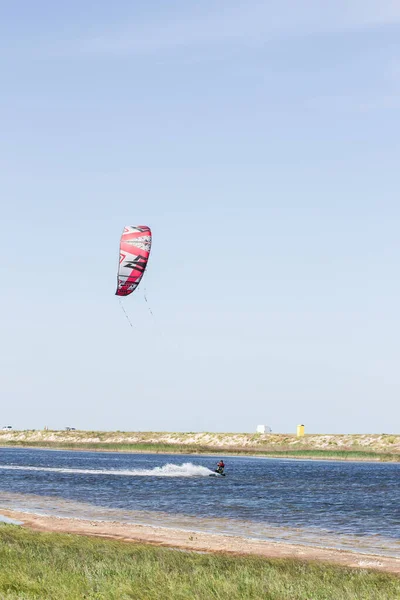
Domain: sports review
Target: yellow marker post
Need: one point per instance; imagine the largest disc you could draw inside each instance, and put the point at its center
(300, 430)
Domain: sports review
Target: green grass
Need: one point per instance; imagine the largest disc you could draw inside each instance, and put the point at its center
(49, 566)
(162, 448)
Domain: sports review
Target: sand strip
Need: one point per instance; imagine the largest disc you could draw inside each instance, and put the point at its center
(203, 542)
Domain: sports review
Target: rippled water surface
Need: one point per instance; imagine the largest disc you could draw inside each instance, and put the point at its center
(336, 504)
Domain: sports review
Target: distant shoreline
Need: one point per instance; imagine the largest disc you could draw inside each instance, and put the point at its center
(336, 447)
(345, 456)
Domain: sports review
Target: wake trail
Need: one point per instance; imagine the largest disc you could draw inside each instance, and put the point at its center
(168, 470)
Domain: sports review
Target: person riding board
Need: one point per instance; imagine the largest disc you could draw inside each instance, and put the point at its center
(220, 467)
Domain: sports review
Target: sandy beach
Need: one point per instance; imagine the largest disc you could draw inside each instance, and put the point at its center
(201, 542)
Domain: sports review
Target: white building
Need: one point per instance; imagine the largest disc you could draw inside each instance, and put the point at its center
(263, 429)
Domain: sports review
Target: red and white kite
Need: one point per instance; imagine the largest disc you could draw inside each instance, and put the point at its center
(134, 253)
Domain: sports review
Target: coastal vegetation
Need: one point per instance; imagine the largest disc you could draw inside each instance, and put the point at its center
(54, 566)
(379, 447)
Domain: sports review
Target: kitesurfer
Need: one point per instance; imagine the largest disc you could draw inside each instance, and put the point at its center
(220, 467)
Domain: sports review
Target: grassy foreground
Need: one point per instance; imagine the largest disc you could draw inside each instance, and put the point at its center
(49, 566)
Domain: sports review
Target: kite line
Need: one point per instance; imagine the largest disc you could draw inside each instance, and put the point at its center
(125, 313)
(148, 306)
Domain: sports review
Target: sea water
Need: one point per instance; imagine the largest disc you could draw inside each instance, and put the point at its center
(348, 505)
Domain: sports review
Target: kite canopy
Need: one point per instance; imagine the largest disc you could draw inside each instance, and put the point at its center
(134, 251)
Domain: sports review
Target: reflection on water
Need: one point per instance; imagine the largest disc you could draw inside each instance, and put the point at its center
(338, 505)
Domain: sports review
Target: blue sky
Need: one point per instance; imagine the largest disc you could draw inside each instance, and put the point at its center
(260, 141)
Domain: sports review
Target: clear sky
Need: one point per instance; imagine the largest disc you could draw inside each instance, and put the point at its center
(260, 142)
